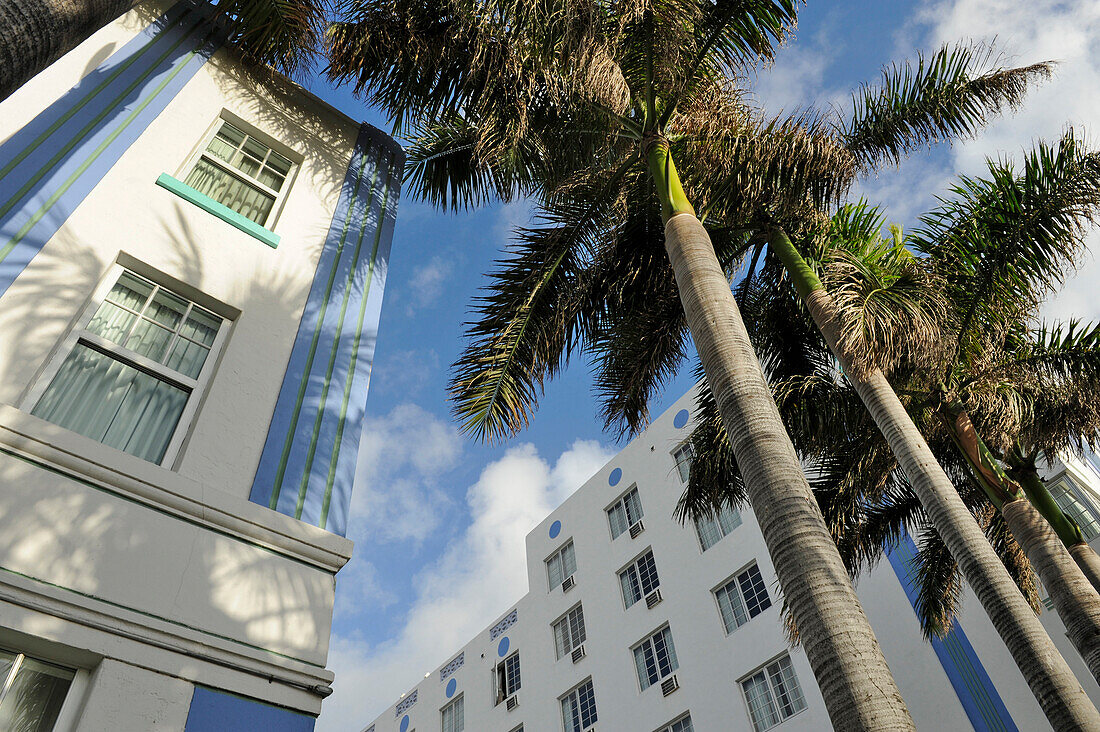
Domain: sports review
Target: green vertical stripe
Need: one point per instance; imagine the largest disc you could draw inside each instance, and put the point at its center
(92, 158)
(92, 94)
(276, 488)
(303, 485)
(334, 459)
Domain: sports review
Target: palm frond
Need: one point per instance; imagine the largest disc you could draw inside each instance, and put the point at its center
(939, 585)
(284, 35)
(950, 93)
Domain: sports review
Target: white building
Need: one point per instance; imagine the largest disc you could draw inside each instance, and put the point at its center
(191, 269)
(635, 623)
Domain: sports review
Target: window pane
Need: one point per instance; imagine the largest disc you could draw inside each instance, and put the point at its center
(230, 134)
(587, 702)
(166, 309)
(279, 164)
(633, 506)
(732, 607)
(130, 292)
(708, 531)
(643, 662)
(112, 402)
(187, 357)
(1073, 507)
(628, 578)
(561, 638)
(201, 326)
(576, 627)
(34, 699)
(788, 694)
(230, 191)
(568, 560)
(112, 322)
(681, 725)
(616, 516)
(453, 714)
(683, 462)
(270, 178)
(149, 339)
(753, 590)
(758, 696)
(729, 519)
(647, 574)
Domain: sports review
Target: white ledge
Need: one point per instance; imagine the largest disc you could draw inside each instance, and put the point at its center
(161, 489)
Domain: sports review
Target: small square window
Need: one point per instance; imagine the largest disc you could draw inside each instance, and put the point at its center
(241, 172)
(655, 658)
(742, 598)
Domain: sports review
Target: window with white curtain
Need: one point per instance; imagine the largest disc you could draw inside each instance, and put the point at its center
(569, 632)
(240, 172)
(624, 513)
(452, 716)
(712, 529)
(31, 692)
(742, 598)
(578, 708)
(639, 578)
(773, 694)
(561, 565)
(655, 658)
(130, 373)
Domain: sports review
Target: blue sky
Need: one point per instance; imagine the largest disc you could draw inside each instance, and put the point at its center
(438, 520)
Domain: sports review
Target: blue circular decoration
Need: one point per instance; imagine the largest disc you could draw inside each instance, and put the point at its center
(451, 686)
(404, 723)
(615, 477)
(680, 419)
(502, 647)
(555, 529)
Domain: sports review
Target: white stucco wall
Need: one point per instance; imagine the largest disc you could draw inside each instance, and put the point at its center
(154, 578)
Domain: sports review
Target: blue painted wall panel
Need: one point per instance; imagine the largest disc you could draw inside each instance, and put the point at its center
(307, 466)
(216, 711)
(50, 166)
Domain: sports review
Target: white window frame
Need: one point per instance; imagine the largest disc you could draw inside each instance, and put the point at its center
(559, 553)
(501, 689)
(628, 603)
(771, 691)
(451, 705)
(576, 690)
(644, 684)
(566, 619)
(621, 501)
(273, 145)
(79, 333)
(734, 579)
(1065, 485)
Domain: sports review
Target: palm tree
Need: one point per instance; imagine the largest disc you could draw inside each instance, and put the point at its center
(586, 107)
(35, 33)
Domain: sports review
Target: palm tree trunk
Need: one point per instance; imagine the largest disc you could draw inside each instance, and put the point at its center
(1057, 690)
(35, 33)
(1067, 530)
(1074, 598)
(859, 691)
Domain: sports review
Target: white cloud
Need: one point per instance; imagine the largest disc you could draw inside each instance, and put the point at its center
(426, 284)
(475, 579)
(1066, 31)
(402, 458)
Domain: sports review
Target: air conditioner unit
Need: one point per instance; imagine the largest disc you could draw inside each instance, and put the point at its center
(512, 703)
(669, 685)
(636, 529)
(653, 598)
(578, 653)
(568, 583)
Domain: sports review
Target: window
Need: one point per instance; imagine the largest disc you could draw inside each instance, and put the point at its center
(773, 694)
(507, 677)
(742, 598)
(569, 632)
(683, 457)
(712, 529)
(1072, 505)
(639, 579)
(560, 565)
(452, 717)
(655, 658)
(132, 369)
(240, 172)
(683, 724)
(626, 512)
(31, 692)
(578, 708)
